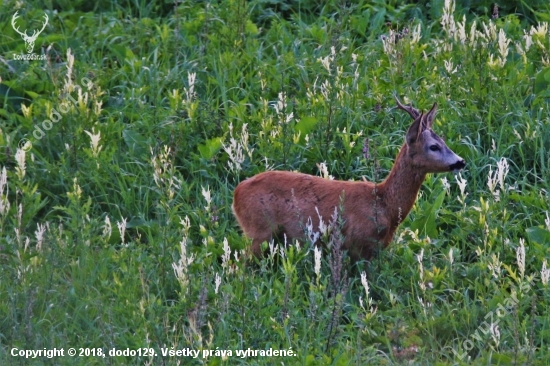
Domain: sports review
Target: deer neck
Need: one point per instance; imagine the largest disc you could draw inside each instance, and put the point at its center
(400, 189)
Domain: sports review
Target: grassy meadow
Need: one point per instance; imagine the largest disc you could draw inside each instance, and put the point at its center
(121, 148)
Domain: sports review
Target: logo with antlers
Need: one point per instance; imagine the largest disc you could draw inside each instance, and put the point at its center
(29, 40)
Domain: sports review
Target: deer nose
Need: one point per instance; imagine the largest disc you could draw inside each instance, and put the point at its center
(457, 166)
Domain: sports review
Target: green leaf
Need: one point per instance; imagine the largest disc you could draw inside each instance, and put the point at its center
(426, 224)
(305, 126)
(135, 141)
(542, 83)
(121, 52)
(210, 147)
(11, 96)
(538, 235)
(137, 222)
(31, 94)
(511, 272)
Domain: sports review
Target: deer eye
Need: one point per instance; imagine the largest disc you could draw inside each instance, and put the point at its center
(434, 148)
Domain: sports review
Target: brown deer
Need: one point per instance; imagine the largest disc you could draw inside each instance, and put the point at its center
(274, 203)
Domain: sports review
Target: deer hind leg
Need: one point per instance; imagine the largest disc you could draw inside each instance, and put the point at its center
(256, 248)
(278, 235)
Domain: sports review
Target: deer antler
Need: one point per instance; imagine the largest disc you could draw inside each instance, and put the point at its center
(35, 32)
(409, 109)
(15, 16)
(45, 23)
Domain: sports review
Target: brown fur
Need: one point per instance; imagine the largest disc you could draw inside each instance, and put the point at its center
(278, 202)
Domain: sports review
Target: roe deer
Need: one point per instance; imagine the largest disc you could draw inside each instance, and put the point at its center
(274, 203)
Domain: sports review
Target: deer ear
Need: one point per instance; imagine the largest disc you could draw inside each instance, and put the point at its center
(430, 117)
(416, 129)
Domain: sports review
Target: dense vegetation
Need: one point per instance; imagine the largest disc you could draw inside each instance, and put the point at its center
(121, 150)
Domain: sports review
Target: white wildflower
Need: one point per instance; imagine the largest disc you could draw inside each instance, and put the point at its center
(446, 185)
(282, 250)
(540, 31)
(368, 298)
(492, 184)
(461, 33)
(325, 90)
(107, 228)
(451, 257)
(94, 142)
(226, 253)
(324, 171)
(449, 66)
(20, 158)
(4, 202)
(502, 170)
(503, 43)
(39, 234)
(326, 61)
(69, 86)
(312, 235)
(490, 31)
(236, 149)
(280, 105)
(190, 91)
(323, 228)
(462, 185)
(122, 229)
(419, 258)
(416, 33)
(473, 32)
(544, 274)
(207, 198)
(180, 268)
(519, 50)
(186, 223)
(388, 43)
(447, 19)
(77, 191)
(317, 252)
(495, 265)
(528, 39)
(244, 140)
(273, 248)
(520, 255)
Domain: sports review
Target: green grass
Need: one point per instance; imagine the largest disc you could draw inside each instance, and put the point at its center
(194, 97)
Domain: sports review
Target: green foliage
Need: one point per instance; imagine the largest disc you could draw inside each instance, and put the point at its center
(119, 155)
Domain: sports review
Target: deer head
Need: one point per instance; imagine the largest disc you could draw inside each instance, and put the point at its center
(29, 40)
(425, 148)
